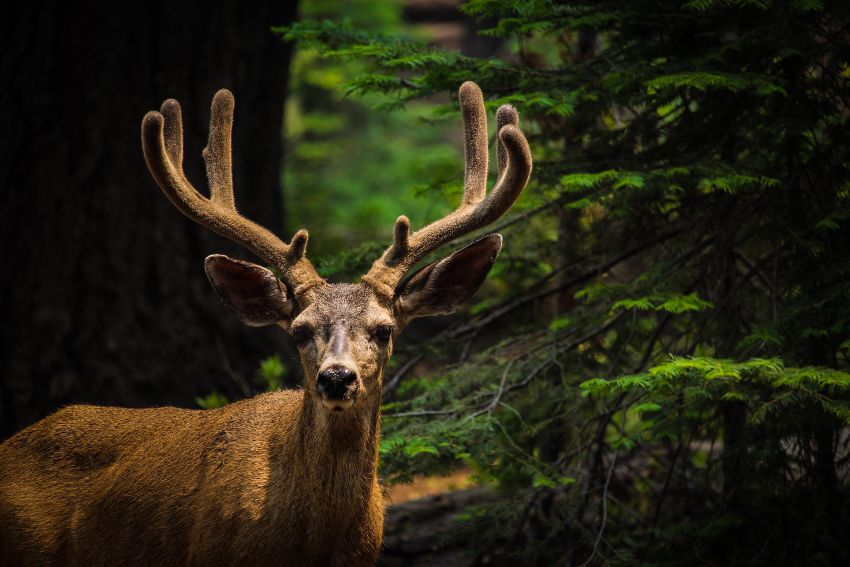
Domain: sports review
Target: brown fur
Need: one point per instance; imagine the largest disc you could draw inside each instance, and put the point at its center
(270, 480)
(284, 478)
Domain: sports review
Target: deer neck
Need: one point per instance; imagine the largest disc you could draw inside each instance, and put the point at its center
(348, 436)
(337, 452)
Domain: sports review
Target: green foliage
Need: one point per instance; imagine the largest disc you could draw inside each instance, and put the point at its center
(212, 401)
(351, 170)
(761, 383)
(272, 373)
(271, 376)
(657, 369)
(672, 303)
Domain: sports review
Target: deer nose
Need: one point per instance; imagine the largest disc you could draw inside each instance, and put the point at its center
(334, 382)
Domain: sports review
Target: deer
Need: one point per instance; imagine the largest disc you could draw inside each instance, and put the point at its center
(284, 478)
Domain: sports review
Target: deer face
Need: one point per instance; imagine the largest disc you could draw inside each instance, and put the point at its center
(345, 332)
(344, 336)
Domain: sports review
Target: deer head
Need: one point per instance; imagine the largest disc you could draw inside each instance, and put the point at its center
(344, 332)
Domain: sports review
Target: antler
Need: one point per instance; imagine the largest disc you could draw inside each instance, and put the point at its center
(477, 207)
(162, 142)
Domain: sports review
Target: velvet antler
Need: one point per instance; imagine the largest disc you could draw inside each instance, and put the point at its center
(162, 142)
(477, 207)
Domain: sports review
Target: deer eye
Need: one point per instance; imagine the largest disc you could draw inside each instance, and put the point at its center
(301, 334)
(382, 333)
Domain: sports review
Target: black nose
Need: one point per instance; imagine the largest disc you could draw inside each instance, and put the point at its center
(333, 382)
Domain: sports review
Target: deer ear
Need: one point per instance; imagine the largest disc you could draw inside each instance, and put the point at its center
(440, 288)
(251, 292)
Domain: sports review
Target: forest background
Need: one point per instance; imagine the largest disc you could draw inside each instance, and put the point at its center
(656, 370)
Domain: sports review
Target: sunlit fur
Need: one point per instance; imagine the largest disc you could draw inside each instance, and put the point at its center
(276, 479)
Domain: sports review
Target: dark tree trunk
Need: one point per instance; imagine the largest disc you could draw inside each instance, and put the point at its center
(104, 299)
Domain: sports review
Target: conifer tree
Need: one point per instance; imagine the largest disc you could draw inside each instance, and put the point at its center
(660, 373)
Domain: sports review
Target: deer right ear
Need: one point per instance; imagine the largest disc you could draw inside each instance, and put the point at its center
(251, 292)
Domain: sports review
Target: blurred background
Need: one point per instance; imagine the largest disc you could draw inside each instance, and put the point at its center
(656, 370)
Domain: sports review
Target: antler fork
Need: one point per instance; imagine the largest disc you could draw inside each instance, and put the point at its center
(477, 207)
(162, 141)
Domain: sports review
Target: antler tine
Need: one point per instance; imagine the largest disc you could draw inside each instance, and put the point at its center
(506, 114)
(162, 142)
(476, 210)
(475, 153)
(217, 154)
(173, 132)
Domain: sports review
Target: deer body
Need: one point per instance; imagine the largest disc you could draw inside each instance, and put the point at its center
(286, 478)
(265, 481)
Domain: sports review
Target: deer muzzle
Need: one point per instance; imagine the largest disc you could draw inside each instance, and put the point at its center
(337, 387)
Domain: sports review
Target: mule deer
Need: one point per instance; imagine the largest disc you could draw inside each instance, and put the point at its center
(288, 477)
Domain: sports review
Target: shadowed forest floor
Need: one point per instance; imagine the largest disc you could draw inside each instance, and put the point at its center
(424, 531)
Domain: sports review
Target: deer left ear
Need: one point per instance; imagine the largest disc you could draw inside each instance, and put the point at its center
(440, 288)
(251, 292)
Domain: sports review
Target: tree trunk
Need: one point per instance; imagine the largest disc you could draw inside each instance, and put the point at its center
(104, 296)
